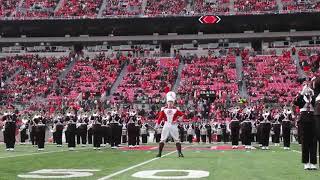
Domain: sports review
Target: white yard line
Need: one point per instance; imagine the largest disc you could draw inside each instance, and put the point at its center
(37, 153)
(138, 165)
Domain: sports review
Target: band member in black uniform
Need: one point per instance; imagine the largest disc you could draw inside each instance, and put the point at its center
(265, 130)
(23, 131)
(104, 131)
(132, 133)
(114, 123)
(224, 132)
(209, 132)
(190, 133)
(276, 128)
(316, 88)
(96, 129)
(246, 130)
(306, 101)
(9, 130)
(144, 133)
(137, 129)
(40, 131)
(286, 128)
(71, 128)
(203, 133)
(218, 132)
(33, 134)
(197, 132)
(58, 130)
(158, 131)
(82, 130)
(90, 131)
(124, 133)
(181, 132)
(235, 131)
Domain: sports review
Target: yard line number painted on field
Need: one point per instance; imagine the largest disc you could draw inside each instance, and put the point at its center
(78, 173)
(152, 174)
(59, 173)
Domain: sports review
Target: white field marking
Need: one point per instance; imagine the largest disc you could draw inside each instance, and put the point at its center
(298, 152)
(213, 147)
(48, 152)
(58, 173)
(151, 174)
(137, 165)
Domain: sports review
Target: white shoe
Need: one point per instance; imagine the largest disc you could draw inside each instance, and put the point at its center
(306, 166)
(236, 147)
(251, 147)
(266, 148)
(130, 146)
(263, 148)
(260, 145)
(103, 145)
(94, 148)
(313, 166)
(98, 148)
(40, 149)
(11, 149)
(83, 145)
(137, 146)
(7, 149)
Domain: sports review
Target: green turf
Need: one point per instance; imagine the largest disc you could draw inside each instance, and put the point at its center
(275, 164)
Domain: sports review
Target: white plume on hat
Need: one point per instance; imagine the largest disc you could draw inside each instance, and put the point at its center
(171, 96)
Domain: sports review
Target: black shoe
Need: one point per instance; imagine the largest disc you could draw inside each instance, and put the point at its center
(181, 155)
(159, 155)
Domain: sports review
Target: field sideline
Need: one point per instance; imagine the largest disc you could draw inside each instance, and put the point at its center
(276, 163)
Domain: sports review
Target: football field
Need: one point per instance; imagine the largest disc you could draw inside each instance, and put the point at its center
(200, 162)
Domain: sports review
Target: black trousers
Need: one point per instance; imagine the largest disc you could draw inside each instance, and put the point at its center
(59, 137)
(189, 138)
(308, 138)
(90, 133)
(124, 138)
(23, 135)
(82, 136)
(33, 137)
(286, 137)
(158, 138)
(276, 138)
(265, 138)
(97, 138)
(198, 137)
(246, 137)
(9, 136)
(114, 134)
(71, 139)
(209, 137)
(317, 130)
(235, 137)
(204, 138)
(66, 133)
(219, 137)
(132, 133)
(41, 133)
(144, 138)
